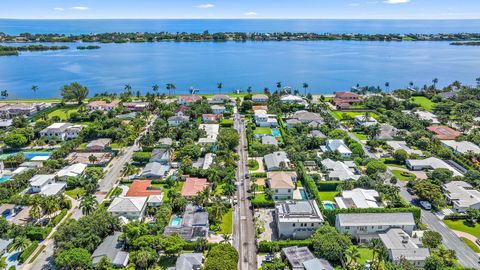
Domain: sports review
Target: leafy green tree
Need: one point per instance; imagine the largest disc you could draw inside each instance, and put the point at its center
(75, 258)
(400, 156)
(328, 243)
(228, 139)
(15, 140)
(440, 176)
(173, 244)
(431, 192)
(375, 166)
(104, 264)
(74, 92)
(144, 258)
(431, 239)
(3, 263)
(220, 257)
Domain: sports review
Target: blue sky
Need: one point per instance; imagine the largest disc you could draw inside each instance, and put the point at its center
(321, 9)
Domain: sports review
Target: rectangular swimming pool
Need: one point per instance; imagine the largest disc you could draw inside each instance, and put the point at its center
(4, 178)
(276, 132)
(176, 222)
(27, 155)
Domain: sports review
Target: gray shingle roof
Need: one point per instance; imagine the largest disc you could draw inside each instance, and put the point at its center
(111, 247)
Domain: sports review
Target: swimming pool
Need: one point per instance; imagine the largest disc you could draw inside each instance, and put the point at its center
(275, 132)
(4, 178)
(329, 205)
(175, 222)
(304, 194)
(27, 155)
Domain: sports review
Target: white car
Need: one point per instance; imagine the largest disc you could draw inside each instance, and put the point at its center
(426, 205)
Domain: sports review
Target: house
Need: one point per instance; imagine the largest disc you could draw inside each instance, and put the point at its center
(12, 110)
(259, 98)
(129, 115)
(136, 106)
(165, 142)
(155, 170)
(307, 117)
(263, 119)
(402, 145)
(99, 144)
(211, 130)
(31, 164)
(143, 188)
(290, 123)
(193, 186)
(6, 123)
(74, 170)
(219, 99)
(339, 146)
(102, 105)
(188, 261)
(282, 184)
(61, 131)
(270, 140)
(177, 119)
(291, 99)
(217, 109)
(315, 124)
(259, 107)
(128, 207)
(188, 99)
(44, 184)
(447, 95)
(316, 134)
(208, 161)
(343, 100)
(462, 147)
(364, 120)
(297, 219)
(431, 163)
(366, 226)
(358, 198)
(160, 155)
(427, 116)
(211, 118)
(277, 161)
(387, 132)
(339, 170)
(112, 248)
(192, 225)
(301, 258)
(444, 132)
(461, 195)
(400, 246)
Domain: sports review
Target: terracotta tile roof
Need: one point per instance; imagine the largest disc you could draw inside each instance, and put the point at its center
(191, 98)
(193, 186)
(346, 95)
(281, 179)
(444, 132)
(103, 103)
(260, 107)
(140, 188)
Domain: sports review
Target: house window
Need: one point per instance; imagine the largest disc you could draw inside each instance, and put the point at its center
(347, 227)
(293, 225)
(312, 224)
(379, 227)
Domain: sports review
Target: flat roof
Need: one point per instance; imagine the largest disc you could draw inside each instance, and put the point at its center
(375, 219)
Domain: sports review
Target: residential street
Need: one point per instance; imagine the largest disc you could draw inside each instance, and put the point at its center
(243, 227)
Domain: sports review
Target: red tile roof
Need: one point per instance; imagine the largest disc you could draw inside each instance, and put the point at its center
(193, 186)
(141, 188)
(346, 95)
(260, 107)
(444, 132)
(103, 103)
(191, 98)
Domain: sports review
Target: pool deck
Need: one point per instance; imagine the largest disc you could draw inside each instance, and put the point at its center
(297, 195)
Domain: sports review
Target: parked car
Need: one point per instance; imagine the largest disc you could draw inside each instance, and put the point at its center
(477, 241)
(426, 205)
(410, 191)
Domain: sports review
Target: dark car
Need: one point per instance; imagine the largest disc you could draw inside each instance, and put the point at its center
(410, 191)
(7, 212)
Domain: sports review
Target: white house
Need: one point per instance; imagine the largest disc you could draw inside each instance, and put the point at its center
(364, 121)
(358, 198)
(44, 184)
(61, 131)
(218, 109)
(291, 99)
(188, 100)
(281, 183)
(338, 170)
(260, 98)
(461, 195)
(129, 207)
(297, 219)
(73, 170)
(340, 146)
(366, 226)
(401, 246)
(462, 147)
(430, 163)
(263, 119)
(397, 145)
(219, 99)
(177, 119)
(102, 105)
(275, 160)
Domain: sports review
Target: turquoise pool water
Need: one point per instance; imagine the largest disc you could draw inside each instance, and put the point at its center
(304, 194)
(28, 155)
(328, 206)
(4, 178)
(176, 221)
(275, 132)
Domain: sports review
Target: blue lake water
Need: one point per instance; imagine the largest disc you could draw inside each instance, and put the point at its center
(326, 65)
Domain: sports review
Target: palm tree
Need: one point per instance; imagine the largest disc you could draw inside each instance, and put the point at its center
(92, 159)
(129, 169)
(168, 86)
(249, 90)
(155, 87)
(378, 254)
(20, 243)
(128, 87)
(305, 87)
(435, 81)
(254, 187)
(266, 91)
(34, 88)
(36, 211)
(279, 85)
(229, 190)
(50, 205)
(88, 203)
(220, 86)
(205, 194)
(226, 238)
(3, 263)
(218, 210)
(4, 94)
(352, 256)
(387, 85)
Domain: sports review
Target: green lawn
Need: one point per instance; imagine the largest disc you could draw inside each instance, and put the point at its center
(424, 102)
(463, 226)
(327, 195)
(263, 130)
(226, 226)
(471, 245)
(73, 192)
(360, 135)
(399, 175)
(365, 254)
(253, 165)
(165, 189)
(63, 112)
(339, 114)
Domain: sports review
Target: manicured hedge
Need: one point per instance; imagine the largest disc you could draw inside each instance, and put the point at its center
(267, 246)
(331, 214)
(142, 157)
(57, 218)
(328, 185)
(262, 203)
(27, 252)
(37, 233)
(258, 175)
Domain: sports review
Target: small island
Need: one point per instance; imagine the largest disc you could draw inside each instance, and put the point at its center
(468, 43)
(14, 50)
(90, 47)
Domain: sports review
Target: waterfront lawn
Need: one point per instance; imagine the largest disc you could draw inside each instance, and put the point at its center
(226, 226)
(63, 112)
(401, 177)
(327, 195)
(424, 102)
(463, 226)
(471, 245)
(263, 130)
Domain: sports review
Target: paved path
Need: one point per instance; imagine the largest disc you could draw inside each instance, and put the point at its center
(468, 236)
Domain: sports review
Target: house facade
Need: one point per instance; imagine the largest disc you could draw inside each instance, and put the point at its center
(297, 219)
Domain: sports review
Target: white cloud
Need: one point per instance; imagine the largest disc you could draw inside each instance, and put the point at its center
(251, 13)
(354, 4)
(393, 2)
(79, 8)
(58, 9)
(205, 6)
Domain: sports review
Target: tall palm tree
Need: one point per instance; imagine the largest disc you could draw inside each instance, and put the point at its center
(352, 256)
(218, 210)
(129, 169)
(168, 86)
(435, 81)
(205, 194)
(387, 86)
(249, 90)
(378, 254)
(254, 187)
(266, 91)
(88, 203)
(305, 87)
(279, 85)
(35, 211)
(220, 86)
(34, 88)
(20, 243)
(155, 87)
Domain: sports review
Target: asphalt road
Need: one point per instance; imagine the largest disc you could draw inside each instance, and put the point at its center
(244, 228)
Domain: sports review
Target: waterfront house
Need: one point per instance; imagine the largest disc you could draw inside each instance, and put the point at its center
(260, 98)
(291, 99)
(188, 99)
(339, 170)
(219, 99)
(136, 106)
(400, 246)
(277, 161)
(444, 132)
(102, 105)
(358, 198)
(61, 131)
(297, 219)
(367, 226)
(431, 163)
(12, 110)
(112, 248)
(344, 100)
(339, 146)
(218, 109)
(129, 207)
(461, 195)
(282, 184)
